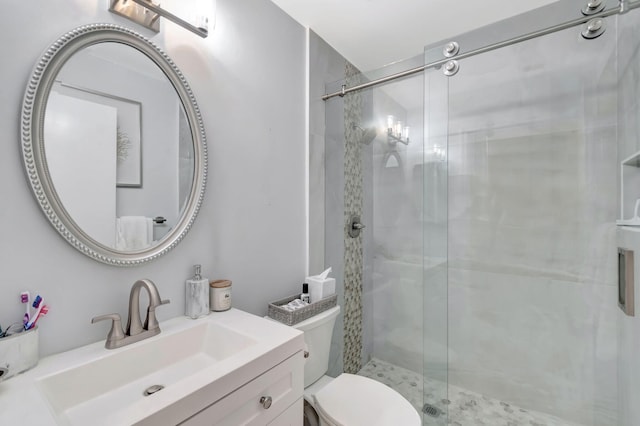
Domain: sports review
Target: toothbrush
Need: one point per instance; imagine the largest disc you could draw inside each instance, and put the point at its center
(37, 301)
(39, 304)
(24, 298)
(42, 310)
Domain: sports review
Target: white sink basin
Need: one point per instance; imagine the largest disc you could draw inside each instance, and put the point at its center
(106, 387)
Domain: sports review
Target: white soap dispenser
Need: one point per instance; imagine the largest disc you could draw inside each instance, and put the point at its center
(196, 295)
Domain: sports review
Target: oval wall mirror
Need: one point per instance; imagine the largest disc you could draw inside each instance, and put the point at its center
(114, 145)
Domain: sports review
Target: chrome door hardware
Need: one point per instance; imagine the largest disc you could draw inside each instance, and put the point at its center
(626, 281)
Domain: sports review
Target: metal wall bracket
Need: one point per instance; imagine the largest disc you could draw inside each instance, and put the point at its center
(594, 28)
(451, 68)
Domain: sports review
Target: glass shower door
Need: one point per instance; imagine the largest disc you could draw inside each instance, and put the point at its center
(532, 199)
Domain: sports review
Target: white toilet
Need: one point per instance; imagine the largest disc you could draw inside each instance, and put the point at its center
(347, 400)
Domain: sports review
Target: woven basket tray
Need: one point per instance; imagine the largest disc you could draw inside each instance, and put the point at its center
(299, 315)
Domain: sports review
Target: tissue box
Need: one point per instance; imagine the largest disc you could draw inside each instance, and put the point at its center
(320, 288)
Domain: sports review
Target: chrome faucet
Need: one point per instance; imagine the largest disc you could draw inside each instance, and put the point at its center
(135, 331)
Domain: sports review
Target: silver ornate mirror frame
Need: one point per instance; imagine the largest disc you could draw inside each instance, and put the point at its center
(32, 136)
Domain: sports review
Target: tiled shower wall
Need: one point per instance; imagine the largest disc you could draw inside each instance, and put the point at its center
(352, 207)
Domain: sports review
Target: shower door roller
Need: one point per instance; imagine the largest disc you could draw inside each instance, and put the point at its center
(451, 49)
(594, 28)
(451, 68)
(354, 226)
(593, 7)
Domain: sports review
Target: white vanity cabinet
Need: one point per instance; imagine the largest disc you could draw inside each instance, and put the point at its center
(230, 368)
(274, 397)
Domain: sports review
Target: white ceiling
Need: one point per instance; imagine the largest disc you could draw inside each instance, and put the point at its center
(373, 33)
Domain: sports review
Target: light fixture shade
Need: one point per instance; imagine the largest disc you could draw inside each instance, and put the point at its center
(398, 130)
(204, 12)
(147, 14)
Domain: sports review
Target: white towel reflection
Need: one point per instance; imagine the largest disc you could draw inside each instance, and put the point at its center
(133, 232)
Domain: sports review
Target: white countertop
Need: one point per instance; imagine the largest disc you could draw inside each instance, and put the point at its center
(23, 403)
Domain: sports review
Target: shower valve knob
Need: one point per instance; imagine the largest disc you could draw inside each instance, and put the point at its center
(355, 226)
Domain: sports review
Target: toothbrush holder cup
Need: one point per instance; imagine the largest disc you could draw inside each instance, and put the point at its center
(19, 352)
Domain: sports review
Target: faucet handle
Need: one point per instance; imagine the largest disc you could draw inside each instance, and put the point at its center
(151, 323)
(115, 333)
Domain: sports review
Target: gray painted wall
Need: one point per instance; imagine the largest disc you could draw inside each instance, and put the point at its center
(249, 79)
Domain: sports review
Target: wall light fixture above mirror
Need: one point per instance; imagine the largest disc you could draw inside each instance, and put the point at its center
(114, 145)
(147, 14)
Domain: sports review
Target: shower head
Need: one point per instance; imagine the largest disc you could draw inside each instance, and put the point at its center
(366, 135)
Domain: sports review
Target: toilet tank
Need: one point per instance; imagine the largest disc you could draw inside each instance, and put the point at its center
(317, 336)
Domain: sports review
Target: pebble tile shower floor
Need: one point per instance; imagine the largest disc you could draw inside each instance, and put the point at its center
(466, 408)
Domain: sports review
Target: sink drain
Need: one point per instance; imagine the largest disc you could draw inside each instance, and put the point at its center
(431, 410)
(152, 389)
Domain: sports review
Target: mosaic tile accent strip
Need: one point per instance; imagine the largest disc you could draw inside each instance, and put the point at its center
(352, 246)
(463, 407)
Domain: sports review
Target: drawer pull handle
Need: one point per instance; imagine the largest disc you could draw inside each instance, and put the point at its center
(306, 354)
(266, 401)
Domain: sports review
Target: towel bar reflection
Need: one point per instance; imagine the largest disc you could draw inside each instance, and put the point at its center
(159, 220)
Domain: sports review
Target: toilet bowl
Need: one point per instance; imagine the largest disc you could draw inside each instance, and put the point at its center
(347, 400)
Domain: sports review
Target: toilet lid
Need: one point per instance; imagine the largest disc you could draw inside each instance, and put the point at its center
(352, 400)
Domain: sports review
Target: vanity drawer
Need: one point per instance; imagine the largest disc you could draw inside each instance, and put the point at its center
(284, 384)
(292, 415)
